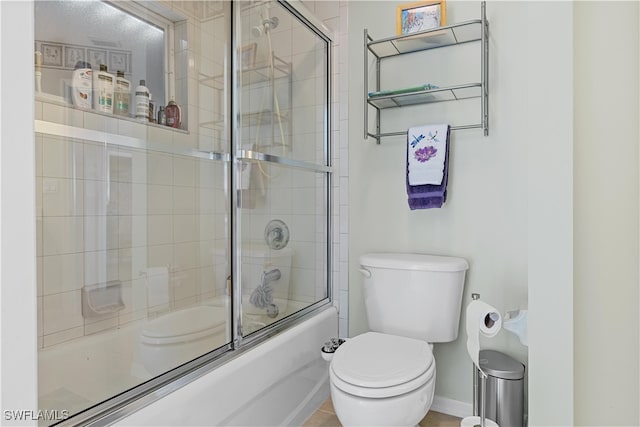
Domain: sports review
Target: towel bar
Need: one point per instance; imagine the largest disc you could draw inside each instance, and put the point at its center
(404, 133)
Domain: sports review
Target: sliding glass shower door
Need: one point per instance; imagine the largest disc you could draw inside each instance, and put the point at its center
(283, 163)
(183, 189)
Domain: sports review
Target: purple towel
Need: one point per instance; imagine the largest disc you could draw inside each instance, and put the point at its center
(429, 196)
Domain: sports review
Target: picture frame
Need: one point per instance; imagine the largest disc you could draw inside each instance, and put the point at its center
(420, 16)
(73, 54)
(248, 56)
(51, 54)
(96, 57)
(118, 61)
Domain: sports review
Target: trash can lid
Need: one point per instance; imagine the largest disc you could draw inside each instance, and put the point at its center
(500, 365)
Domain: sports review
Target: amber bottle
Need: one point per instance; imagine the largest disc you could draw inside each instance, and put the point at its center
(172, 112)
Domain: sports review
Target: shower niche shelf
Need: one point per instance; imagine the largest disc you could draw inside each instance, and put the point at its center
(258, 77)
(442, 37)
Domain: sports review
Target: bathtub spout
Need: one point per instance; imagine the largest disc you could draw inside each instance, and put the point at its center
(268, 277)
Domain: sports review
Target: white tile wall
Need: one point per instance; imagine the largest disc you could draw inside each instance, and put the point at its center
(62, 235)
(61, 197)
(63, 273)
(64, 158)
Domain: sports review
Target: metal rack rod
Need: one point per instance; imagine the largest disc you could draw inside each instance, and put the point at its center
(404, 133)
(484, 59)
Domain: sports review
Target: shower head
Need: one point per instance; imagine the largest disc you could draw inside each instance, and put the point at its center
(267, 25)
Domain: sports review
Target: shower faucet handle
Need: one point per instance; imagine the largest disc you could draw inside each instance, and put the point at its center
(276, 234)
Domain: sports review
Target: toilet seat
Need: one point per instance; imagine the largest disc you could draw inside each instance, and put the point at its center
(184, 325)
(380, 365)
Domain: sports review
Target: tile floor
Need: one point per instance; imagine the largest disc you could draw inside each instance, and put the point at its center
(326, 417)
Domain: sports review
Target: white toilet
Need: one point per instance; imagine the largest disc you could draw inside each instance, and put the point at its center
(387, 377)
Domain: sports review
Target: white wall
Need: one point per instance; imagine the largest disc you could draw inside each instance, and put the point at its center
(606, 213)
(501, 187)
(17, 229)
(549, 98)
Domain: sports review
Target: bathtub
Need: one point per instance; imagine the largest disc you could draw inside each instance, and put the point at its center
(288, 379)
(279, 382)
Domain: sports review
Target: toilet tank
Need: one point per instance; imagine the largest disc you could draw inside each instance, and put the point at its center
(414, 295)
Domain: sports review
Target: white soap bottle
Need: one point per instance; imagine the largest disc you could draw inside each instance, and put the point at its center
(82, 85)
(122, 95)
(103, 88)
(142, 102)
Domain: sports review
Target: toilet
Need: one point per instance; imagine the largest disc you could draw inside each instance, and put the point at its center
(386, 377)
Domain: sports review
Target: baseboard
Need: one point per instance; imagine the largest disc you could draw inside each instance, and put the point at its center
(451, 407)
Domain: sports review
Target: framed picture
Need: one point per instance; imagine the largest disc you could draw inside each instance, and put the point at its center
(72, 55)
(420, 16)
(118, 61)
(248, 56)
(96, 57)
(51, 54)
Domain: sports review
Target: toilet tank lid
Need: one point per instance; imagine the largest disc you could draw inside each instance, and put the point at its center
(412, 261)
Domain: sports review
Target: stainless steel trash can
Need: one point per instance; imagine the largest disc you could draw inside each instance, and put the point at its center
(504, 402)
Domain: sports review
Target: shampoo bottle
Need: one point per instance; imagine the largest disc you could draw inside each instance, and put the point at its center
(81, 85)
(103, 88)
(152, 109)
(172, 112)
(142, 102)
(123, 94)
(162, 116)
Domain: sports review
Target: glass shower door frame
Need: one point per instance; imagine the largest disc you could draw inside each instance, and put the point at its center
(239, 339)
(131, 400)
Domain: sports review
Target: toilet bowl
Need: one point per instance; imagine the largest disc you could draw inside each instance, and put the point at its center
(177, 337)
(382, 380)
(387, 377)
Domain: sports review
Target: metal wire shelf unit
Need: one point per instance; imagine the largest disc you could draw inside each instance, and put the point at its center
(442, 37)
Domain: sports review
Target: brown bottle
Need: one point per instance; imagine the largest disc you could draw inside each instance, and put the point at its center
(173, 114)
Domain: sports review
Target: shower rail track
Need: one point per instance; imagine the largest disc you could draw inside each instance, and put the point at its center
(67, 131)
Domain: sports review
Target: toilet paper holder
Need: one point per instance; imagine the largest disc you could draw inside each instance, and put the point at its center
(483, 384)
(515, 321)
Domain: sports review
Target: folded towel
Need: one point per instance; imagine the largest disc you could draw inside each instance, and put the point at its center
(428, 195)
(426, 148)
(426, 203)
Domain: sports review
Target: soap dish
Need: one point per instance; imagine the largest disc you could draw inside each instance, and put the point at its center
(100, 299)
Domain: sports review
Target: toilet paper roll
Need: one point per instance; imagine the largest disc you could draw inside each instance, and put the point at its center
(481, 319)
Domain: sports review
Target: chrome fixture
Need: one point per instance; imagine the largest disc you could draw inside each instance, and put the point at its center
(267, 25)
(276, 234)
